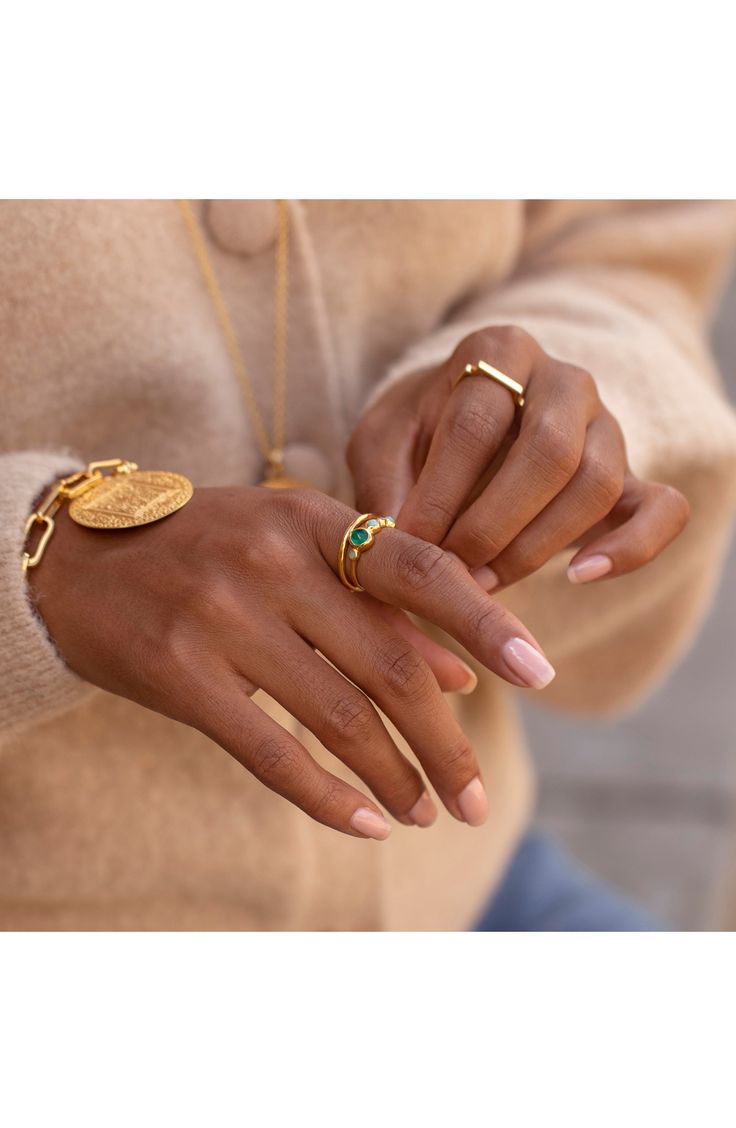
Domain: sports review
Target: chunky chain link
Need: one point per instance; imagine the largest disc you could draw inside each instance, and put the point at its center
(64, 490)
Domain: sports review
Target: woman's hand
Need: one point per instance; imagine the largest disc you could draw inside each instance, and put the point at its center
(446, 458)
(236, 591)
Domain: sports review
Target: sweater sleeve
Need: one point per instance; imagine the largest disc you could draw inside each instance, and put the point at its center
(35, 684)
(624, 290)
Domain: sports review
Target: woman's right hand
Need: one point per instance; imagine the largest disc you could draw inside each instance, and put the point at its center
(236, 591)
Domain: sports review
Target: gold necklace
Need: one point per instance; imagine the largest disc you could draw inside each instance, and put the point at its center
(272, 448)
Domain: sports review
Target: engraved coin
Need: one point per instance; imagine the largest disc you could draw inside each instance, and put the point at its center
(122, 501)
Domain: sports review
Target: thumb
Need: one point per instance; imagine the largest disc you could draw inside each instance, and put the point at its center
(380, 458)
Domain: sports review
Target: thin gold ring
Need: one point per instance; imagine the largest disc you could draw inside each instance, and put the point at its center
(357, 539)
(482, 368)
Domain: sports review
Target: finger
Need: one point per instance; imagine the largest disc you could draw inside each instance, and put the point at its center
(470, 432)
(398, 679)
(343, 719)
(406, 572)
(540, 463)
(650, 516)
(588, 499)
(380, 457)
(280, 762)
(452, 674)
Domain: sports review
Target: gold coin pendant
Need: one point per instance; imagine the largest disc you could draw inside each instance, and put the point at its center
(123, 501)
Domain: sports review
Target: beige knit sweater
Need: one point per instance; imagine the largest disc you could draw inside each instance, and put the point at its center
(114, 817)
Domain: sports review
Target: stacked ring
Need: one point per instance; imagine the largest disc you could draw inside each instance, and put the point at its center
(358, 538)
(482, 368)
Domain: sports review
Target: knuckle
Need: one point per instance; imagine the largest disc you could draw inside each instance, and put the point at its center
(273, 758)
(645, 552)
(677, 503)
(328, 798)
(553, 450)
(180, 633)
(476, 545)
(216, 601)
(485, 620)
(604, 483)
(520, 562)
(457, 757)
(512, 337)
(290, 512)
(480, 545)
(257, 554)
(422, 565)
(404, 671)
(580, 377)
(435, 509)
(466, 350)
(181, 647)
(472, 426)
(349, 716)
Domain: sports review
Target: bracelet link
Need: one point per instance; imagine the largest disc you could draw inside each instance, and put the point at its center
(37, 518)
(65, 489)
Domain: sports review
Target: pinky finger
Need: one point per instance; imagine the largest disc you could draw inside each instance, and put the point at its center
(648, 517)
(280, 762)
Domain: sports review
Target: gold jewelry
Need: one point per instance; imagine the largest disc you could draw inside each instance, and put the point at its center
(121, 499)
(271, 448)
(484, 369)
(357, 539)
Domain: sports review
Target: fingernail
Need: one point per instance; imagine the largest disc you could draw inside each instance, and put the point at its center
(485, 577)
(473, 803)
(528, 663)
(424, 812)
(472, 681)
(370, 824)
(590, 568)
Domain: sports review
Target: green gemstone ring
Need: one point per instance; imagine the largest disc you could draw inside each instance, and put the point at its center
(358, 538)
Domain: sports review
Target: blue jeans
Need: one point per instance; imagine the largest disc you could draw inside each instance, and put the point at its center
(546, 891)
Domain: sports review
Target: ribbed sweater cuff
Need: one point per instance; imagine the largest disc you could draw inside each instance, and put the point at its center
(35, 683)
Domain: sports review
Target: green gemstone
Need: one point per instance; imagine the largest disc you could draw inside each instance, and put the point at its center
(359, 536)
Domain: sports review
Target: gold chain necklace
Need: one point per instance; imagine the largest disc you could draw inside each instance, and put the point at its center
(272, 448)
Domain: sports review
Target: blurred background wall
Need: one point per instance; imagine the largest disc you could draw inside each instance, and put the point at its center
(648, 801)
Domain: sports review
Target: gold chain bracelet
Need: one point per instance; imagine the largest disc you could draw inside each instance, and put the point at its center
(108, 494)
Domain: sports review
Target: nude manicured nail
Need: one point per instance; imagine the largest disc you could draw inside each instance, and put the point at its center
(424, 812)
(473, 803)
(370, 824)
(472, 681)
(485, 577)
(528, 663)
(590, 568)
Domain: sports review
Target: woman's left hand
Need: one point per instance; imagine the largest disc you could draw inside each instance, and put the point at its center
(448, 459)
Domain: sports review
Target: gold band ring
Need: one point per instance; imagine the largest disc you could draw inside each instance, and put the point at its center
(357, 539)
(484, 369)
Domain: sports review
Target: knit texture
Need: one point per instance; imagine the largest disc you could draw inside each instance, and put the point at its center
(34, 682)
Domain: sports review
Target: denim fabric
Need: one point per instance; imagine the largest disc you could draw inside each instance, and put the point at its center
(546, 891)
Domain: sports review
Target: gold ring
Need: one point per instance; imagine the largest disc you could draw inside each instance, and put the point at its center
(357, 539)
(484, 369)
